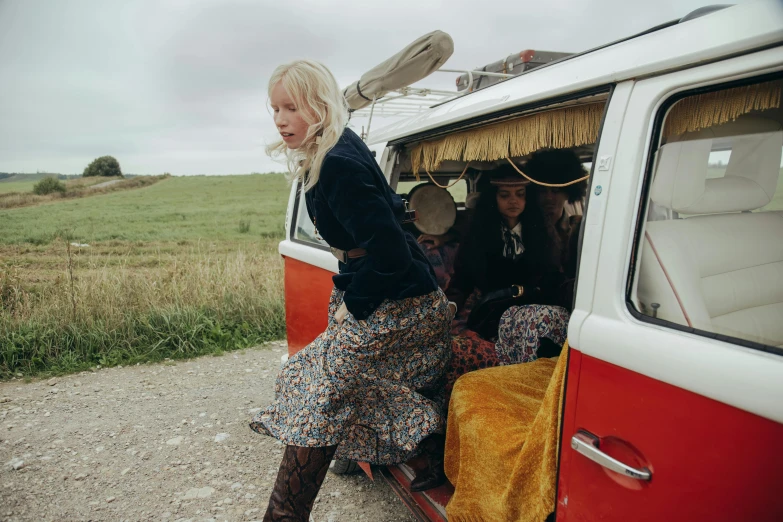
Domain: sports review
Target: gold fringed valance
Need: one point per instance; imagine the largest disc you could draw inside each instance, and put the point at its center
(558, 129)
(714, 108)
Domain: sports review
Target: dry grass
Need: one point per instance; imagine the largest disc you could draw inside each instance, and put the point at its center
(63, 308)
(76, 188)
(112, 280)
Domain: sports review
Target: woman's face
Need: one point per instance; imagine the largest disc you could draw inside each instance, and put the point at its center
(511, 202)
(289, 119)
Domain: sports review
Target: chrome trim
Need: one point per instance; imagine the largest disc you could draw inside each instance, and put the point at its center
(587, 444)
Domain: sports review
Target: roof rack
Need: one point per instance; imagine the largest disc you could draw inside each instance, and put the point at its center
(410, 101)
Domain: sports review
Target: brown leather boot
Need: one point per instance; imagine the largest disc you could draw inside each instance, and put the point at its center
(301, 474)
(433, 475)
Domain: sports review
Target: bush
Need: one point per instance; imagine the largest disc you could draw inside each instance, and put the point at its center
(48, 186)
(103, 166)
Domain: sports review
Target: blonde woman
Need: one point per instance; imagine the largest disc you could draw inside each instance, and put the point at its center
(365, 388)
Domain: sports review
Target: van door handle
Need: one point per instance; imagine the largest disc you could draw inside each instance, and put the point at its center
(587, 444)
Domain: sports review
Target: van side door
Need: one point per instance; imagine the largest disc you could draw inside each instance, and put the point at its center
(673, 401)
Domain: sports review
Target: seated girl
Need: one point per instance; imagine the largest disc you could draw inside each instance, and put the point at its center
(527, 332)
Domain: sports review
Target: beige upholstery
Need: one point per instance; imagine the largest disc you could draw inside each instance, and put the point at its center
(749, 183)
(721, 272)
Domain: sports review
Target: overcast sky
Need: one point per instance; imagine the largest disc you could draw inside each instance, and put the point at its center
(180, 85)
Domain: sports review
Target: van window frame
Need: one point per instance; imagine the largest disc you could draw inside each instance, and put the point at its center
(643, 207)
(585, 209)
(586, 203)
(295, 221)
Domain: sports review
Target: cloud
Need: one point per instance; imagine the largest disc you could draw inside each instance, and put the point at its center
(180, 86)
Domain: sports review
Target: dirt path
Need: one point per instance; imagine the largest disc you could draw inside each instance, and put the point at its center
(105, 184)
(157, 442)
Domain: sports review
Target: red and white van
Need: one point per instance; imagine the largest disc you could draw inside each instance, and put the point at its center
(677, 331)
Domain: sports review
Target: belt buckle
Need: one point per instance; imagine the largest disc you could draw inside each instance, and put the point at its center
(341, 255)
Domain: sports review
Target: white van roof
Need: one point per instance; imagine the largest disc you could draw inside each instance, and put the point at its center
(735, 30)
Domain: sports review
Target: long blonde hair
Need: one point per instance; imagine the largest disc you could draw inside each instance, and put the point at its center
(315, 93)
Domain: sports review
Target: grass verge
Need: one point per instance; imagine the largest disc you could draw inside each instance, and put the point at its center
(63, 310)
(34, 349)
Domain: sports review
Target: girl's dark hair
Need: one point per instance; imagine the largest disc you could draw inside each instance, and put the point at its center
(557, 166)
(485, 231)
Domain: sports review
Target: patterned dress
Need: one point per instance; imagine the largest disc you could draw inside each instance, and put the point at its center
(522, 327)
(442, 261)
(374, 387)
(519, 334)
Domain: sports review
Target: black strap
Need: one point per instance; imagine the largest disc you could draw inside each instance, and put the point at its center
(359, 90)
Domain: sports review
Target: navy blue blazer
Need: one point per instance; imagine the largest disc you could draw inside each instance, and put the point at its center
(353, 206)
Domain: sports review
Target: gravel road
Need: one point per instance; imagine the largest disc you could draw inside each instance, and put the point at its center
(158, 442)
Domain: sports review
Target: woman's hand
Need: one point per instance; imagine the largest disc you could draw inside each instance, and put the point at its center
(431, 241)
(340, 314)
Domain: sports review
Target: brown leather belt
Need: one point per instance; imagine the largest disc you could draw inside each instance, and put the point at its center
(345, 255)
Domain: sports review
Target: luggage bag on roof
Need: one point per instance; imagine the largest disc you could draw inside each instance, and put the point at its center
(513, 64)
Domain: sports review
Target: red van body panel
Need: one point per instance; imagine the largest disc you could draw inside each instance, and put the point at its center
(307, 292)
(709, 461)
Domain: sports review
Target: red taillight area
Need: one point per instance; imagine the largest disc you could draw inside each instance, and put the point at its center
(527, 56)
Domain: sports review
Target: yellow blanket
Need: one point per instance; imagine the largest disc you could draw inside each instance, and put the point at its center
(502, 442)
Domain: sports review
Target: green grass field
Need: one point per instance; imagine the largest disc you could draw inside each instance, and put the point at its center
(184, 267)
(16, 186)
(21, 182)
(178, 208)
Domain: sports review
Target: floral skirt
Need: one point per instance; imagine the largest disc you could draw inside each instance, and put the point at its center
(373, 387)
(520, 331)
(522, 328)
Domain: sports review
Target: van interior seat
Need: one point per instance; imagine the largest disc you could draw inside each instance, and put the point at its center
(721, 269)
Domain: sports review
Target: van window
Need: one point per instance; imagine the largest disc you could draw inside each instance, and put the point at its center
(717, 163)
(710, 250)
(305, 230)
